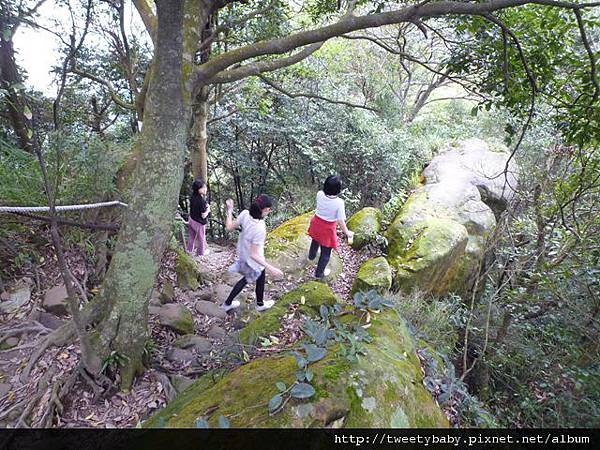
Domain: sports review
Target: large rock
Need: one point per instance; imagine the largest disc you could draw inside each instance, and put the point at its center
(437, 240)
(366, 225)
(17, 297)
(210, 309)
(383, 389)
(180, 356)
(55, 300)
(288, 244)
(191, 341)
(177, 317)
(374, 274)
(309, 296)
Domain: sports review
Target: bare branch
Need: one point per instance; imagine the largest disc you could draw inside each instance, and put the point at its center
(113, 94)
(317, 97)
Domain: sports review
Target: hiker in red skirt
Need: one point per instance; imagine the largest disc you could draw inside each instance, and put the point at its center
(322, 230)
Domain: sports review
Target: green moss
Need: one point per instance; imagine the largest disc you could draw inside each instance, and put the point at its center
(289, 235)
(422, 255)
(375, 274)
(384, 388)
(315, 294)
(187, 271)
(366, 224)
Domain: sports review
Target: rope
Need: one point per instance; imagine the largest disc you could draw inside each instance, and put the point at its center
(31, 209)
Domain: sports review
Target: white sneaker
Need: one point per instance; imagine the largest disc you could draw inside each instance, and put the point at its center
(234, 304)
(206, 252)
(326, 272)
(267, 304)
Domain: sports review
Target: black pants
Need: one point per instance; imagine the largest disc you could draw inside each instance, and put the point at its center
(260, 289)
(323, 259)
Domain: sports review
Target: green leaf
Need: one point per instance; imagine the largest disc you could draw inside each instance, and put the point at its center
(300, 375)
(224, 422)
(314, 353)
(309, 375)
(281, 386)
(6, 34)
(302, 390)
(474, 111)
(27, 112)
(324, 312)
(201, 423)
(275, 402)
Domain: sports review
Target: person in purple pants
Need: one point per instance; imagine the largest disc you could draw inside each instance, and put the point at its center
(199, 211)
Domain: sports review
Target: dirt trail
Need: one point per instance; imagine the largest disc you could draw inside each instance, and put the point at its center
(149, 393)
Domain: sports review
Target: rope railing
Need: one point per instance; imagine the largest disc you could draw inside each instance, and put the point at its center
(34, 209)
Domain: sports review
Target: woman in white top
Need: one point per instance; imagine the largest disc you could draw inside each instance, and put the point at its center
(251, 262)
(322, 230)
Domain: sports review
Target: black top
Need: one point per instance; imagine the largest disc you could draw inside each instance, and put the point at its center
(198, 206)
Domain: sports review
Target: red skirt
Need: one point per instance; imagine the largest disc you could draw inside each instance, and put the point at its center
(323, 232)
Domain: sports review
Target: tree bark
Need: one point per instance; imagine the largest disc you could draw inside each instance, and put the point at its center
(199, 154)
(21, 124)
(155, 185)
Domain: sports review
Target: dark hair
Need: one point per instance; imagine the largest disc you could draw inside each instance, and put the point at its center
(261, 202)
(197, 184)
(332, 185)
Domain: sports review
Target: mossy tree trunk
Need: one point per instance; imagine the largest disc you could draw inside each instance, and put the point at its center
(155, 186)
(199, 155)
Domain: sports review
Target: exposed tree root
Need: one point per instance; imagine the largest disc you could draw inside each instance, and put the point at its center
(32, 327)
(59, 337)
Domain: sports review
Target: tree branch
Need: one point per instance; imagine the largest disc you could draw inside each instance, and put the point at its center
(590, 53)
(259, 67)
(317, 97)
(118, 100)
(211, 70)
(148, 17)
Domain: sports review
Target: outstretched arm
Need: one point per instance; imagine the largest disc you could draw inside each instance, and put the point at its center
(349, 234)
(230, 224)
(255, 255)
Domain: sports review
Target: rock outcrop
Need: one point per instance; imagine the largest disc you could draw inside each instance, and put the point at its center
(366, 225)
(288, 244)
(436, 242)
(374, 274)
(383, 389)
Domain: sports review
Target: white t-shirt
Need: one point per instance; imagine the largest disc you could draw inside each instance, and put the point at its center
(330, 209)
(254, 231)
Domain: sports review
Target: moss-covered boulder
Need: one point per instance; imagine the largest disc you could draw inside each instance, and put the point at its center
(310, 296)
(437, 240)
(423, 256)
(188, 276)
(375, 274)
(177, 317)
(287, 247)
(383, 389)
(366, 225)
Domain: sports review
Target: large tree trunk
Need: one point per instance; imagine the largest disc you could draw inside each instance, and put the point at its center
(155, 186)
(199, 155)
(9, 77)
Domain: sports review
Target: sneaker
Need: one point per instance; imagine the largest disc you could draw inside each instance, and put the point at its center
(206, 252)
(326, 272)
(268, 304)
(234, 304)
